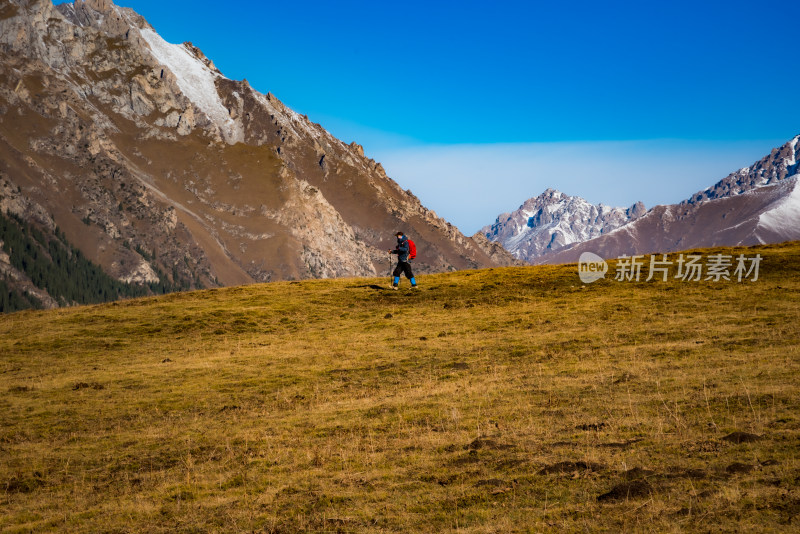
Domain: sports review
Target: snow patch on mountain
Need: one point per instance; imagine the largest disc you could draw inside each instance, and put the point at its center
(196, 80)
(787, 214)
(792, 160)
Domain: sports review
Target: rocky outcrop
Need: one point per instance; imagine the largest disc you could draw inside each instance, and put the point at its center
(13, 202)
(151, 161)
(780, 164)
(552, 221)
(496, 251)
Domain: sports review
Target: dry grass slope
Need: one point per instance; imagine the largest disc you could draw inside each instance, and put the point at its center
(511, 399)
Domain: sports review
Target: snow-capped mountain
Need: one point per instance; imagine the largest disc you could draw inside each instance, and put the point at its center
(150, 161)
(780, 164)
(756, 205)
(552, 221)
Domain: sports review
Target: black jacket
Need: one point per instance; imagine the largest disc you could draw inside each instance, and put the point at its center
(402, 249)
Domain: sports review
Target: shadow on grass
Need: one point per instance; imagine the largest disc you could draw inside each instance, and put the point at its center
(376, 287)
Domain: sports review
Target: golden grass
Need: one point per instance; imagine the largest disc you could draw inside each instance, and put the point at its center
(494, 400)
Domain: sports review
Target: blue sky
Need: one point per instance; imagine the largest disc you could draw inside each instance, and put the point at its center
(476, 106)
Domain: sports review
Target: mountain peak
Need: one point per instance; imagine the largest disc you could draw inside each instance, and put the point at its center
(551, 193)
(103, 15)
(554, 220)
(779, 165)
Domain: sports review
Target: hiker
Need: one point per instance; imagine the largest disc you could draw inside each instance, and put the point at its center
(403, 250)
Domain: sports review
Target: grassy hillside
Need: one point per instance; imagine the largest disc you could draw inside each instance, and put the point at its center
(494, 400)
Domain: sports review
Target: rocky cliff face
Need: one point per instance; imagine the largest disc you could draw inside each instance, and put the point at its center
(150, 160)
(780, 164)
(552, 221)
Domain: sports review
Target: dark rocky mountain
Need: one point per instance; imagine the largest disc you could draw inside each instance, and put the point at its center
(148, 160)
(755, 205)
(552, 221)
(780, 164)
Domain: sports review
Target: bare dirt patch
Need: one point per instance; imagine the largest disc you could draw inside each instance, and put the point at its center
(87, 385)
(571, 467)
(738, 468)
(742, 437)
(632, 489)
(591, 426)
(23, 483)
(484, 443)
(637, 473)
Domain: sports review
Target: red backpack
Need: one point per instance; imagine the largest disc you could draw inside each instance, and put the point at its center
(412, 250)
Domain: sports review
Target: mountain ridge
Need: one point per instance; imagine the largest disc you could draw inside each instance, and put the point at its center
(554, 220)
(134, 144)
(554, 227)
(780, 164)
(755, 205)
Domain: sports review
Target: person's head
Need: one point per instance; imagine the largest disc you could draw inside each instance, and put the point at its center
(399, 235)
